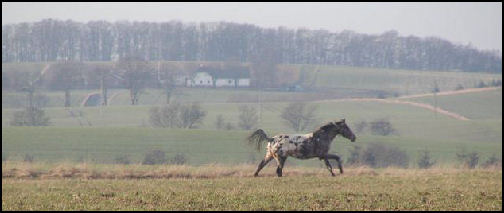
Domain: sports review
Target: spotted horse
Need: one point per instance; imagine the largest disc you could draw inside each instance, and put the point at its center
(302, 146)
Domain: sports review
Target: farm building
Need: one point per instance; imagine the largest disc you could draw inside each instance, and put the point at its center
(214, 77)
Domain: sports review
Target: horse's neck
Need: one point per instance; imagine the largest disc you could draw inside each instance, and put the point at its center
(329, 136)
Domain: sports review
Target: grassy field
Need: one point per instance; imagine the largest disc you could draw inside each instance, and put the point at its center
(480, 105)
(213, 187)
(74, 160)
(119, 130)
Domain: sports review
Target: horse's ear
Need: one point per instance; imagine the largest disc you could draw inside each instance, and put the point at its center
(343, 120)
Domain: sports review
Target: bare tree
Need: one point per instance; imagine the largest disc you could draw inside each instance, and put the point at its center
(192, 115)
(177, 115)
(102, 73)
(299, 116)
(264, 68)
(66, 76)
(219, 123)
(136, 73)
(248, 117)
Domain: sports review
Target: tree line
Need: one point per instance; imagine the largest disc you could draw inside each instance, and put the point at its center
(53, 40)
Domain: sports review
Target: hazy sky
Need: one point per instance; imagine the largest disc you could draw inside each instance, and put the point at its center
(477, 23)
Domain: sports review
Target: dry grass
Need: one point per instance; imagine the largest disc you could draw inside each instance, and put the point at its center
(15, 169)
(66, 186)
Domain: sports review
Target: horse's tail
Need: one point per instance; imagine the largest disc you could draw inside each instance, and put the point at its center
(257, 138)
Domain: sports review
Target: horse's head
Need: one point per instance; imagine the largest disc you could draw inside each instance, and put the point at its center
(345, 130)
(334, 128)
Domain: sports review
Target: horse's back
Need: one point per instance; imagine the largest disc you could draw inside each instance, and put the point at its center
(295, 145)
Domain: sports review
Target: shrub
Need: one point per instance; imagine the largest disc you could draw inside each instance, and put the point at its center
(496, 83)
(492, 161)
(40, 100)
(248, 117)
(481, 84)
(459, 87)
(361, 126)
(425, 161)
(382, 127)
(177, 115)
(122, 159)
(30, 116)
(229, 126)
(178, 159)
(355, 156)
(381, 95)
(219, 123)
(469, 160)
(378, 155)
(154, 157)
(28, 158)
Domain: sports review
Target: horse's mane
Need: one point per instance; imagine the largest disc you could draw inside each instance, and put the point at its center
(323, 129)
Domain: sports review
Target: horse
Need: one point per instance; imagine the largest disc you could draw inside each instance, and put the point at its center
(301, 146)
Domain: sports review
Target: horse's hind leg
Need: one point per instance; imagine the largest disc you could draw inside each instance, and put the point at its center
(263, 163)
(281, 162)
(337, 158)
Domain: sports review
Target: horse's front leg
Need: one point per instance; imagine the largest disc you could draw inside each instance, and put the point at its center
(338, 159)
(326, 161)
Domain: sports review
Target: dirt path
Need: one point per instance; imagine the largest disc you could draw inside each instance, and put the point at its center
(451, 92)
(421, 105)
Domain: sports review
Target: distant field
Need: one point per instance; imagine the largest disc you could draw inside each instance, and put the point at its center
(478, 105)
(232, 188)
(401, 82)
(327, 82)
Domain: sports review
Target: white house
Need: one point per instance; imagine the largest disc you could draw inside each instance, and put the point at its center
(244, 82)
(214, 77)
(224, 82)
(200, 79)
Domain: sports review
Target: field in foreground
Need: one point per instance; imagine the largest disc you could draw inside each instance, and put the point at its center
(214, 187)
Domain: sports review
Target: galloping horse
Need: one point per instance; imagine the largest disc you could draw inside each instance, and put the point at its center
(304, 146)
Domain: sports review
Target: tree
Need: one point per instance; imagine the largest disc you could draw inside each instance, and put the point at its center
(299, 116)
(248, 117)
(191, 115)
(425, 161)
(30, 116)
(102, 73)
(264, 68)
(66, 76)
(468, 159)
(177, 115)
(167, 82)
(382, 127)
(219, 122)
(136, 73)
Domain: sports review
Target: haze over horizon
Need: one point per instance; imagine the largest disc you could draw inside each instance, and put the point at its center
(477, 24)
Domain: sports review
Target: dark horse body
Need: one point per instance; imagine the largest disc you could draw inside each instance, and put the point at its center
(302, 146)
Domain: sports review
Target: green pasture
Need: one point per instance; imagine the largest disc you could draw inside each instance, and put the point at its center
(478, 105)
(117, 130)
(401, 82)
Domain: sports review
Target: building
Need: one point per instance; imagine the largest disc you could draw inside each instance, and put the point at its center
(214, 77)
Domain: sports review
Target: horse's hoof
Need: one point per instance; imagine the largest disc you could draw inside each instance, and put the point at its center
(256, 175)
